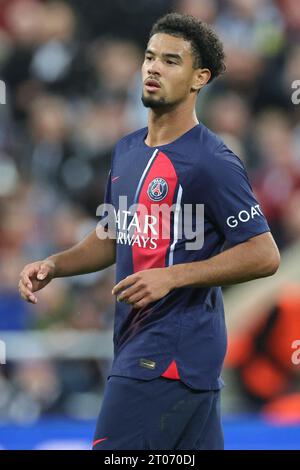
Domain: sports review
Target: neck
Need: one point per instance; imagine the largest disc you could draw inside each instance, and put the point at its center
(164, 126)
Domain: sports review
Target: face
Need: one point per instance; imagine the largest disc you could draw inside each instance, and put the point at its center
(167, 72)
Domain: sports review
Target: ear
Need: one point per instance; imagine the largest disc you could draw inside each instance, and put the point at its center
(200, 79)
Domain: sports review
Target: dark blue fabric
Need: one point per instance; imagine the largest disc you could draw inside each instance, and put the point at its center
(159, 414)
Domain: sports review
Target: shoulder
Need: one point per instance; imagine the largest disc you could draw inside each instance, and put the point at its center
(206, 148)
(216, 157)
(217, 166)
(202, 140)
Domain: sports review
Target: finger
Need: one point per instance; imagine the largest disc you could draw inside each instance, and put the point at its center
(30, 270)
(125, 294)
(26, 281)
(24, 276)
(141, 304)
(43, 272)
(128, 281)
(119, 287)
(32, 299)
(133, 299)
(26, 294)
(28, 273)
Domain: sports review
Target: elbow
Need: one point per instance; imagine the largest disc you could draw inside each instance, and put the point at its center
(266, 256)
(272, 262)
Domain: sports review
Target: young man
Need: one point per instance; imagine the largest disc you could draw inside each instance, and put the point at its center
(163, 391)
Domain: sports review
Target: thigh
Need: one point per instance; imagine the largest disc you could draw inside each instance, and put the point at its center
(211, 436)
(120, 424)
(159, 414)
(182, 418)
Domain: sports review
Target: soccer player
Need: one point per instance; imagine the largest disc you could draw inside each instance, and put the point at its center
(163, 391)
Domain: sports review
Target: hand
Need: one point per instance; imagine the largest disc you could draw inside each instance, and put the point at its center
(141, 288)
(34, 277)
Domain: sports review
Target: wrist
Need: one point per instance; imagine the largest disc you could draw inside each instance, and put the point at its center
(185, 275)
(51, 261)
(174, 278)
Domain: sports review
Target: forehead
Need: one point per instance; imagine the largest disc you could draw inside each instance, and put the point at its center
(161, 43)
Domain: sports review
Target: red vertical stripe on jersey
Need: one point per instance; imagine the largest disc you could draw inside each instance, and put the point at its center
(145, 257)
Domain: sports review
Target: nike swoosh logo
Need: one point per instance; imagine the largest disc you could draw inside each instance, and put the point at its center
(114, 178)
(99, 440)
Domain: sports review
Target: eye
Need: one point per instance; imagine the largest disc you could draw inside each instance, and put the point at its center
(149, 57)
(170, 62)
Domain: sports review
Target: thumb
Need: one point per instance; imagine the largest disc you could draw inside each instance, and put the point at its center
(43, 272)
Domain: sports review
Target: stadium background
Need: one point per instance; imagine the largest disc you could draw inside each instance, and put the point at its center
(71, 71)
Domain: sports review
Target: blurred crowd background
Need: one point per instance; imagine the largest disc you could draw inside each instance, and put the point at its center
(73, 88)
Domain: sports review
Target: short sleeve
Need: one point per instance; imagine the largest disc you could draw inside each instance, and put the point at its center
(229, 199)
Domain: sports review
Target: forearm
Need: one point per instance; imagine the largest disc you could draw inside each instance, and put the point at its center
(90, 255)
(243, 262)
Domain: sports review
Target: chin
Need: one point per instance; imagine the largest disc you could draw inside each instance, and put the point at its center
(152, 102)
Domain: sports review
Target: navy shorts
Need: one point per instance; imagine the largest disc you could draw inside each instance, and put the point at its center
(158, 414)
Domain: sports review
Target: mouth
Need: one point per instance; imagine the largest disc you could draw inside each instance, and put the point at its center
(152, 85)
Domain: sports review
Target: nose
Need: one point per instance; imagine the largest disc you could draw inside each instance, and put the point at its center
(154, 67)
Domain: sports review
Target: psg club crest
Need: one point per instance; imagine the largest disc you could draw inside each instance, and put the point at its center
(157, 189)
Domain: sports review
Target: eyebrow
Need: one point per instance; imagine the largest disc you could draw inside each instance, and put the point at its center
(168, 55)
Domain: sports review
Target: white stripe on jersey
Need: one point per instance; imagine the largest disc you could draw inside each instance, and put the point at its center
(176, 222)
(144, 173)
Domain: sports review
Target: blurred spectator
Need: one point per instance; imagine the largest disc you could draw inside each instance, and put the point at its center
(205, 11)
(291, 15)
(228, 115)
(279, 168)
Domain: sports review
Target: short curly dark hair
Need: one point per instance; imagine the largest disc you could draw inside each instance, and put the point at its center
(206, 46)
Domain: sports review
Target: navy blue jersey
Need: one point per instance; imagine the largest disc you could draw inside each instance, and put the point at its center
(182, 335)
